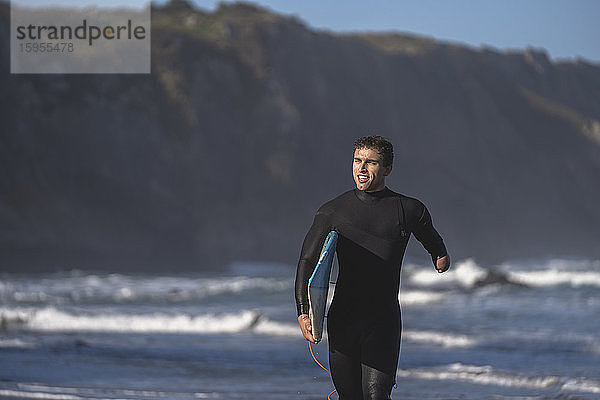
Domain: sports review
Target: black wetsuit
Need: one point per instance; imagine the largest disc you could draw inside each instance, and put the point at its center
(363, 322)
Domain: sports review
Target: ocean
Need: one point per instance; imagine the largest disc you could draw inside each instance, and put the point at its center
(530, 331)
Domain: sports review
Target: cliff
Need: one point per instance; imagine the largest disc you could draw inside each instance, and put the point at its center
(245, 126)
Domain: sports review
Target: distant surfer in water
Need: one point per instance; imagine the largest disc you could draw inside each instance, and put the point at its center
(374, 225)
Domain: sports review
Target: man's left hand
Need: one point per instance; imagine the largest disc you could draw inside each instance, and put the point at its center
(442, 264)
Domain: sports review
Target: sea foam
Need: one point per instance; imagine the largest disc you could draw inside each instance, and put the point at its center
(582, 385)
(555, 277)
(463, 274)
(484, 375)
(419, 297)
(39, 391)
(74, 289)
(443, 339)
(466, 274)
(51, 319)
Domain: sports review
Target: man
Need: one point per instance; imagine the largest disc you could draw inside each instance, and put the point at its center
(374, 225)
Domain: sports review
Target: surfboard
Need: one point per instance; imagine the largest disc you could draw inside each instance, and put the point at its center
(318, 285)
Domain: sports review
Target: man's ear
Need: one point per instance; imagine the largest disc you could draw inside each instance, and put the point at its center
(388, 170)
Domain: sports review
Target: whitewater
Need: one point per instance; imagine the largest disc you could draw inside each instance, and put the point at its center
(526, 330)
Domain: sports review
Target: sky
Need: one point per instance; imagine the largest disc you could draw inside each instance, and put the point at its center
(140, 4)
(564, 28)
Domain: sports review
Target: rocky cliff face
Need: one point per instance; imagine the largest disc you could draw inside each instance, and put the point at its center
(246, 125)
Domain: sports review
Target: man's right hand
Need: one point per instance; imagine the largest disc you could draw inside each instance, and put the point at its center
(306, 327)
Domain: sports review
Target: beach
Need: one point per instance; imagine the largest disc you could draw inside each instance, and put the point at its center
(528, 331)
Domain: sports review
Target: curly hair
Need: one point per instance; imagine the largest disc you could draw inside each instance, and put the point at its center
(378, 143)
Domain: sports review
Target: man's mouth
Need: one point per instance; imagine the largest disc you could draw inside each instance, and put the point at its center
(362, 178)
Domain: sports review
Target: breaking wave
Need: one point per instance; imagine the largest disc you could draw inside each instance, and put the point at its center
(486, 375)
(51, 319)
(555, 277)
(440, 339)
(123, 289)
(463, 274)
(38, 391)
(419, 297)
(251, 321)
(467, 274)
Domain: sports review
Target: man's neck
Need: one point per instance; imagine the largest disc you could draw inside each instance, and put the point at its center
(371, 196)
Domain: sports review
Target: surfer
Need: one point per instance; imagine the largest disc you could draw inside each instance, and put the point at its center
(374, 225)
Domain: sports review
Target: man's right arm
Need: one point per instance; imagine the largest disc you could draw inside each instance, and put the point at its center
(309, 255)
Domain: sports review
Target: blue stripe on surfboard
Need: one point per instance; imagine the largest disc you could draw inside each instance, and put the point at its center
(326, 256)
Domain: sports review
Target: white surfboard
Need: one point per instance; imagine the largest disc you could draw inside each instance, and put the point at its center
(318, 285)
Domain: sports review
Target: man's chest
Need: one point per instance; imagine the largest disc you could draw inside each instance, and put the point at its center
(383, 219)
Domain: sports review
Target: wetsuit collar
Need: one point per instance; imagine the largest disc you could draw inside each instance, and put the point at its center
(368, 197)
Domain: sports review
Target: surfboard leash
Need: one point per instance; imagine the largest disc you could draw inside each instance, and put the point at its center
(320, 365)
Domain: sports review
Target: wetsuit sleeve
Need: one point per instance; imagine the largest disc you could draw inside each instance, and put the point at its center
(311, 249)
(426, 234)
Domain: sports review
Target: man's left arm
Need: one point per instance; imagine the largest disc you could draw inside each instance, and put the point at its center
(432, 241)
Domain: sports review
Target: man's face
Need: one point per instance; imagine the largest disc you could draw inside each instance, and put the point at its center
(368, 171)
